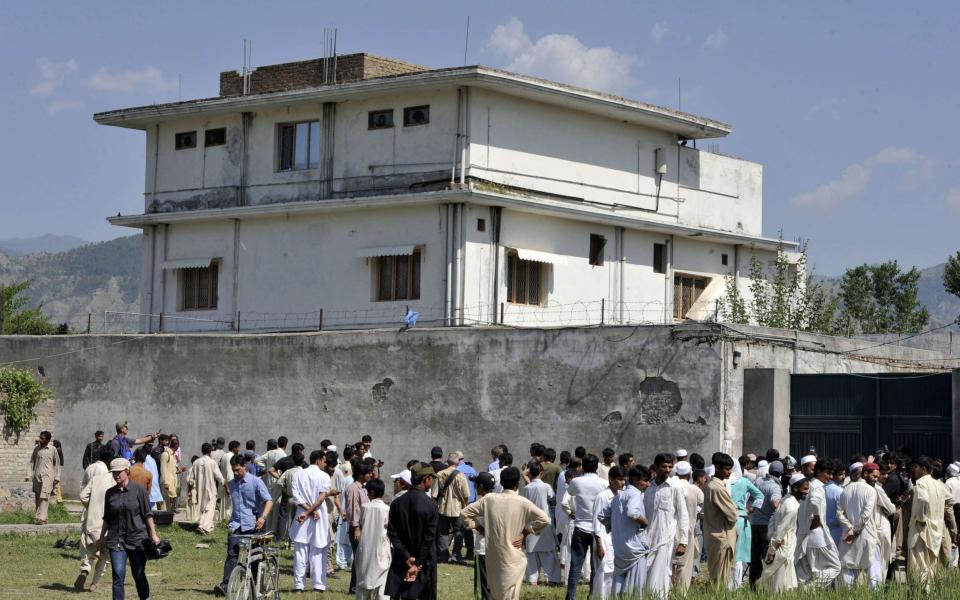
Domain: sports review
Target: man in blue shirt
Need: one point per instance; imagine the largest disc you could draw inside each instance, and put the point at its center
(251, 505)
(461, 536)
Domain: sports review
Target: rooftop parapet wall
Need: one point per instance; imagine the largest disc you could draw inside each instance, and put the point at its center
(309, 73)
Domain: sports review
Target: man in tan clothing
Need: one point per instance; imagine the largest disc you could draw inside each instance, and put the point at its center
(169, 478)
(683, 564)
(44, 472)
(207, 481)
(507, 519)
(92, 496)
(451, 490)
(720, 515)
(925, 533)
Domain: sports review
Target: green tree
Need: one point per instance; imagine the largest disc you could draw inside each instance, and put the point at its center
(951, 276)
(881, 299)
(787, 296)
(16, 318)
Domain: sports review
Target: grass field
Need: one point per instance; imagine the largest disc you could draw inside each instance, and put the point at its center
(57, 513)
(34, 568)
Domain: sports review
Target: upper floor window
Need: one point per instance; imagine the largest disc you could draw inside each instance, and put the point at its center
(380, 119)
(686, 291)
(185, 139)
(215, 137)
(198, 287)
(416, 115)
(659, 258)
(524, 280)
(299, 145)
(398, 277)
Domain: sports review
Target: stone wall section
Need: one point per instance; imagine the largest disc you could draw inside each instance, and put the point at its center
(15, 452)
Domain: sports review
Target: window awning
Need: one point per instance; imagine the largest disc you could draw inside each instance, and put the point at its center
(187, 263)
(541, 257)
(386, 251)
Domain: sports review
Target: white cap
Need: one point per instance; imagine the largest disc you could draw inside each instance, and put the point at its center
(856, 466)
(404, 475)
(808, 459)
(797, 477)
(762, 464)
(683, 468)
(711, 471)
(953, 469)
(681, 453)
(331, 448)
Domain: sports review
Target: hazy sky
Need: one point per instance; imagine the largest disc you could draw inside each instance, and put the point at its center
(850, 107)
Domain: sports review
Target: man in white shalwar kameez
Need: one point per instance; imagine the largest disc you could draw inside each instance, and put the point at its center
(925, 533)
(881, 516)
(92, 497)
(779, 573)
(541, 548)
(373, 551)
(683, 567)
(818, 562)
(310, 530)
(628, 534)
(669, 531)
(604, 564)
(208, 483)
(507, 517)
(860, 543)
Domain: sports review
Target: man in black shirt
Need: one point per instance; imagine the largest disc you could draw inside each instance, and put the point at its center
(127, 527)
(91, 453)
(412, 530)
(436, 459)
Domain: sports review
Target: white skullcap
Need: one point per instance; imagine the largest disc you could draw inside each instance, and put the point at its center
(711, 470)
(953, 469)
(808, 459)
(683, 468)
(956, 464)
(331, 448)
(856, 466)
(681, 453)
(762, 464)
(797, 477)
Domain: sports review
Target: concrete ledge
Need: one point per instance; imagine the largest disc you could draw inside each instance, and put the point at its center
(26, 529)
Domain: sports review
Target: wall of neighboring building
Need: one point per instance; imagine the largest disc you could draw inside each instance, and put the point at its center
(16, 449)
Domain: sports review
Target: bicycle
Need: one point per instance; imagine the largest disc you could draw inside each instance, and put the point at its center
(257, 574)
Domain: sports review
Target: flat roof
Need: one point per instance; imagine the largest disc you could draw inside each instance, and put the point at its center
(608, 105)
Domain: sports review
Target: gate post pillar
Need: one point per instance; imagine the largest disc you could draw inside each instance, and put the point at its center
(766, 409)
(956, 413)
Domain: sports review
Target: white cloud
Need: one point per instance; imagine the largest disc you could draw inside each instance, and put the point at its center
(953, 198)
(856, 177)
(659, 30)
(716, 40)
(147, 78)
(561, 57)
(59, 105)
(51, 75)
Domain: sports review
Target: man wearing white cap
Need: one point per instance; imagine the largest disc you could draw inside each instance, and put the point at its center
(401, 483)
(779, 573)
(818, 562)
(681, 455)
(860, 545)
(683, 565)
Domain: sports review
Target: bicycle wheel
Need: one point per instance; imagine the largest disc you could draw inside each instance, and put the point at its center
(268, 579)
(238, 586)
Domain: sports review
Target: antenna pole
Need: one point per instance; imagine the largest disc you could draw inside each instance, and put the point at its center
(466, 42)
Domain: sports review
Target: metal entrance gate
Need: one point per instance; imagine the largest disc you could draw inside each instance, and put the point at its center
(842, 415)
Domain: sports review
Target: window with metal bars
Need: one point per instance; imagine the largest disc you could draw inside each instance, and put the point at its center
(524, 280)
(398, 277)
(298, 146)
(198, 288)
(686, 291)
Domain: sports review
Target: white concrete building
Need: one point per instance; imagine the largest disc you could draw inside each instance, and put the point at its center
(469, 194)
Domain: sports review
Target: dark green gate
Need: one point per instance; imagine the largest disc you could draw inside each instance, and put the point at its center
(842, 415)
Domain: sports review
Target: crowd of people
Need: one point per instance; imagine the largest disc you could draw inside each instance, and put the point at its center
(624, 528)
